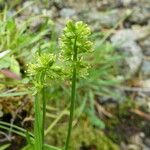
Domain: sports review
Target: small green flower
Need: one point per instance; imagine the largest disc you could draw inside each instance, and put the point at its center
(44, 70)
(76, 36)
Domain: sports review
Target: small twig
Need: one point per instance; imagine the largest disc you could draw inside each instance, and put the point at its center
(101, 110)
(141, 113)
(6, 137)
(27, 119)
(135, 89)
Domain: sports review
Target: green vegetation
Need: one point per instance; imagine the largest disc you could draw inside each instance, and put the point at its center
(75, 45)
(50, 73)
(79, 136)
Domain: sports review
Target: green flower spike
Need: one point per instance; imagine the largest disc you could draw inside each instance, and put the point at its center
(75, 44)
(43, 72)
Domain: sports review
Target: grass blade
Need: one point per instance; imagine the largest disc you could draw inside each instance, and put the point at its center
(3, 147)
(13, 94)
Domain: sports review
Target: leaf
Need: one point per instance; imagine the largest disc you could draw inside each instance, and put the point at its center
(49, 147)
(3, 147)
(15, 129)
(4, 62)
(46, 147)
(14, 65)
(4, 53)
(28, 147)
(10, 62)
(95, 120)
(14, 94)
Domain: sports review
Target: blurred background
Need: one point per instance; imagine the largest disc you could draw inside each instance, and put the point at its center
(113, 102)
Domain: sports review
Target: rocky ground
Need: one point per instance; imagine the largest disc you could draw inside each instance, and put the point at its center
(126, 24)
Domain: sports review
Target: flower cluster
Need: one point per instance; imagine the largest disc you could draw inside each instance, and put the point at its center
(75, 34)
(75, 39)
(44, 70)
(74, 44)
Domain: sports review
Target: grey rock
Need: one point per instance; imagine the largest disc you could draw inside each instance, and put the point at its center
(140, 15)
(142, 35)
(147, 142)
(52, 13)
(141, 32)
(146, 148)
(128, 2)
(146, 46)
(107, 4)
(106, 19)
(124, 41)
(134, 147)
(145, 68)
(121, 37)
(135, 142)
(137, 33)
(134, 56)
(67, 12)
(31, 8)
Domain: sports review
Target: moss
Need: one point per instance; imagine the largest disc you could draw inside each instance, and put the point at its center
(82, 133)
(124, 108)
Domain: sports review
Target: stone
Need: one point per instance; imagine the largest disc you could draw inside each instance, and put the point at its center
(134, 56)
(121, 37)
(145, 44)
(145, 68)
(147, 142)
(31, 8)
(128, 2)
(105, 19)
(141, 32)
(142, 35)
(140, 15)
(146, 148)
(67, 12)
(52, 13)
(145, 83)
(125, 42)
(107, 4)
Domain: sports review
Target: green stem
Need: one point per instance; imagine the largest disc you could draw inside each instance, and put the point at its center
(73, 94)
(44, 113)
(37, 125)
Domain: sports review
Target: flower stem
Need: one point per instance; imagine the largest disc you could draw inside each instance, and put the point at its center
(73, 95)
(37, 124)
(44, 113)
